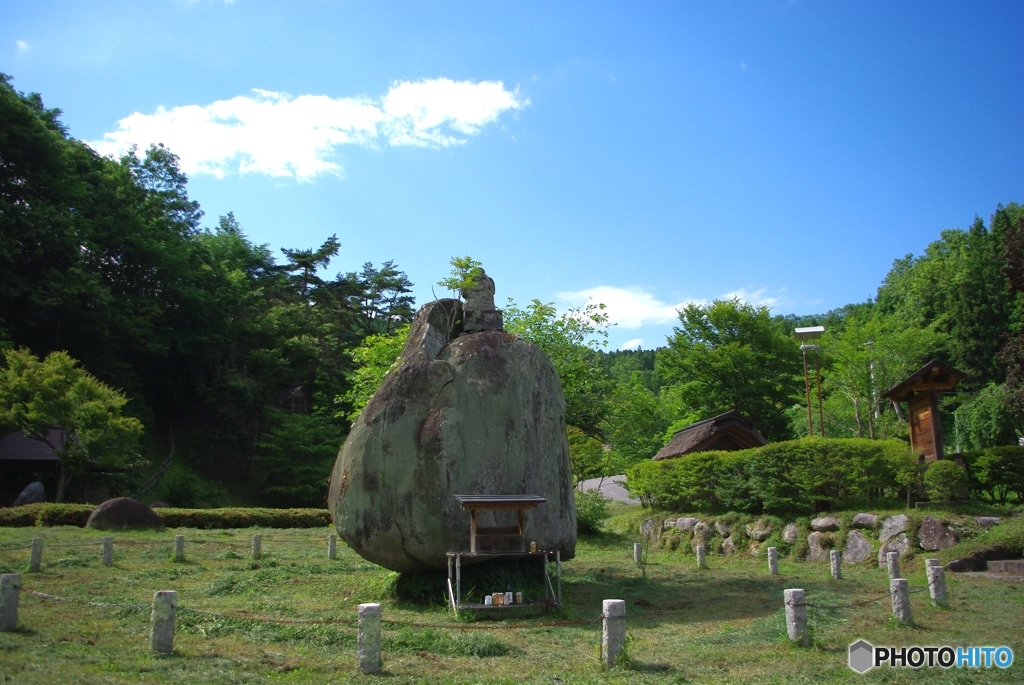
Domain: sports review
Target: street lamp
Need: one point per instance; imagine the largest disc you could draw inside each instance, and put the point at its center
(803, 335)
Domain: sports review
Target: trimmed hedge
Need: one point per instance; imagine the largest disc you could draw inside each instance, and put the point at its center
(232, 517)
(783, 478)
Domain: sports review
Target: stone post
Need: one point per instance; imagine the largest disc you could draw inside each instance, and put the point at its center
(702, 556)
(257, 542)
(796, 616)
(932, 562)
(937, 585)
(613, 630)
(108, 550)
(368, 638)
(773, 561)
(900, 591)
(332, 547)
(10, 585)
(638, 553)
(892, 559)
(836, 559)
(35, 560)
(161, 620)
(179, 548)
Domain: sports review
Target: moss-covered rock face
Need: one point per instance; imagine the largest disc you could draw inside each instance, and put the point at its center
(479, 413)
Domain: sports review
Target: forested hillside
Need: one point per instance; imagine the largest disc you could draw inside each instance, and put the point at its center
(249, 366)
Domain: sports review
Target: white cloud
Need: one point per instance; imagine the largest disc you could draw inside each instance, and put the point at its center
(627, 307)
(759, 296)
(743, 65)
(632, 344)
(22, 45)
(280, 135)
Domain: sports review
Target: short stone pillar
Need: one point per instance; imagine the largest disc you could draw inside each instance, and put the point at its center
(937, 585)
(638, 553)
(108, 550)
(900, 591)
(613, 630)
(932, 562)
(796, 616)
(368, 638)
(835, 557)
(161, 621)
(35, 560)
(332, 547)
(892, 560)
(10, 586)
(773, 561)
(179, 548)
(702, 556)
(257, 546)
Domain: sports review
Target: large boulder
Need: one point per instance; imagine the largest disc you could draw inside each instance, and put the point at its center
(933, 535)
(476, 413)
(123, 513)
(826, 523)
(899, 543)
(858, 548)
(789, 533)
(723, 528)
(986, 521)
(818, 545)
(686, 524)
(865, 521)
(891, 526)
(34, 493)
(759, 531)
(728, 546)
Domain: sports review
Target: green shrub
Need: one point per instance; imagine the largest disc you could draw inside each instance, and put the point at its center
(997, 472)
(20, 517)
(64, 514)
(591, 511)
(239, 517)
(944, 480)
(183, 487)
(781, 478)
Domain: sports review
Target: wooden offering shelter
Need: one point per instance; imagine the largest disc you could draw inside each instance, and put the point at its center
(921, 393)
(500, 541)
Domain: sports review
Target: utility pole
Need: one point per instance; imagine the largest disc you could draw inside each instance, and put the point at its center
(803, 335)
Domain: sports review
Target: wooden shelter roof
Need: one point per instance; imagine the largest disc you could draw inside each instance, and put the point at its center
(493, 502)
(932, 376)
(19, 450)
(730, 430)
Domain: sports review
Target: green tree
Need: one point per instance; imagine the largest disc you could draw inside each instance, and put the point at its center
(374, 358)
(464, 272)
(36, 396)
(731, 355)
(635, 422)
(385, 300)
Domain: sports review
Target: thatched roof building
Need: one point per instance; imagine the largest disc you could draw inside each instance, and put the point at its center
(729, 431)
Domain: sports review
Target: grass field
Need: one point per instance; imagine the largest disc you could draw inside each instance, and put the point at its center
(721, 625)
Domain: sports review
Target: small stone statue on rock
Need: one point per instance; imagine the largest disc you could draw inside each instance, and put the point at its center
(478, 312)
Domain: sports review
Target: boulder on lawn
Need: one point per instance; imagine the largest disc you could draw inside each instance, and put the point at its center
(759, 531)
(722, 528)
(728, 546)
(858, 548)
(892, 525)
(34, 493)
(825, 523)
(900, 544)
(986, 521)
(789, 533)
(466, 409)
(649, 529)
(123, 513)
(864, 521)
(819, 546)
(686, 524)
(933, 535)
(669, 523)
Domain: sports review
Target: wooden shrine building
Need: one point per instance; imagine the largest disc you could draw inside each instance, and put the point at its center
(729, 431)
(921, 393)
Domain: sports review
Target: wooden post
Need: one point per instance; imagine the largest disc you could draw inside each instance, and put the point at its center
(796, 616)
(161, 630)
(613, 630)
(472, 531)
(368, 638)
(773, 561)
(10, 585)
(179, 548)
(257, 543)
(35, 560)
(900, 591)
(332, 547)
(108, 550)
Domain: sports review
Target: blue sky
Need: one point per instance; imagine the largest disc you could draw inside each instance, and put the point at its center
(642, 154)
